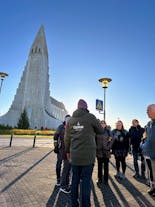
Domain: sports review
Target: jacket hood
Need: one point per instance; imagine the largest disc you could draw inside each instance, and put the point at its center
(80, 112)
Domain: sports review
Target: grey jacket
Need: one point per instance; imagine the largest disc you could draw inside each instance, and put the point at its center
(103, 144)
(80, 137)
(149, 145)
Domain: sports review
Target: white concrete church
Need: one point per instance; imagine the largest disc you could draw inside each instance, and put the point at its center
(33, 92)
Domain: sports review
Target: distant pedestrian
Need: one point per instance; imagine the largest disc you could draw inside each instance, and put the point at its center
(120, 148)
(135, 135)
(59, 149)
(103, 144)
(149, 147)
(81, 150)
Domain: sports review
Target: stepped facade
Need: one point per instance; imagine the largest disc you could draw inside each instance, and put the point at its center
(33, 92)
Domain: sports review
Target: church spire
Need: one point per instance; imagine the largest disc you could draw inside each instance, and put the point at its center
(39, 45)
(33, 92)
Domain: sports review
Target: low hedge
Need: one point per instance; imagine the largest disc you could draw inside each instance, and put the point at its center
(27, 132)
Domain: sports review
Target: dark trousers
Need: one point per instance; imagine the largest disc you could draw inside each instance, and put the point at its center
(58, 166)
(83, 174)
(123, 163)
(101, 161)
(135, 162)
(149, 166)
(65, 174)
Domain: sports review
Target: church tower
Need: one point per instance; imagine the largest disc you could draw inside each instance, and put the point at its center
(33, 93)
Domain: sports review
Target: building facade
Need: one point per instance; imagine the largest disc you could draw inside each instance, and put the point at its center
(33, 92)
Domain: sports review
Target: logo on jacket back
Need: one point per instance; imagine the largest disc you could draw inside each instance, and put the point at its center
(78, 127)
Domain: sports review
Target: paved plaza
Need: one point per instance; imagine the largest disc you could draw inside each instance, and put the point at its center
(27, 179)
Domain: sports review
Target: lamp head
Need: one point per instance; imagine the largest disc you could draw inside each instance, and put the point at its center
(3, 75)
(105, 82)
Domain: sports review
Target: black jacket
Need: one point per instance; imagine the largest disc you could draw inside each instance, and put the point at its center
(135, 135)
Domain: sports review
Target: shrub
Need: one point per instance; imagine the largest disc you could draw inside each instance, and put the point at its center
(5, 127)
(23, 122)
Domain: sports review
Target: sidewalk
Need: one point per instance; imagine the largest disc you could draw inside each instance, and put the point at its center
(27, 179)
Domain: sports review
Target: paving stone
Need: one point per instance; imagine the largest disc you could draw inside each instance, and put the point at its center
(27, 179)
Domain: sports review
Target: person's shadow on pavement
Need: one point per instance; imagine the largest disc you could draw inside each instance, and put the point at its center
(58, 199)
(137, 195)
(109, 198)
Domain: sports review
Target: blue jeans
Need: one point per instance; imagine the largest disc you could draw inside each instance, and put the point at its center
(65, 174)
(83, 174)
(58, 166)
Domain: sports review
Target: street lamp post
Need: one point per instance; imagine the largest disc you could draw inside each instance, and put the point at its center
(2, 75)
(105, 82)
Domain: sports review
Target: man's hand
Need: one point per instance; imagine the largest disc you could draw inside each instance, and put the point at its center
(56, 149)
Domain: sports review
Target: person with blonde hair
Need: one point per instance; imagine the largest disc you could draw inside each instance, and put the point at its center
(120, 148)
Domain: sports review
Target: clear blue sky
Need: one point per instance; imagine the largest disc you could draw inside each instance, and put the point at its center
(87, 40)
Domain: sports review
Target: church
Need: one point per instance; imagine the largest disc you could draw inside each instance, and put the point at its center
(33, 92)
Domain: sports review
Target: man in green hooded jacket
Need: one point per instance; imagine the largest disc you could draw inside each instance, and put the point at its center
(80, 147)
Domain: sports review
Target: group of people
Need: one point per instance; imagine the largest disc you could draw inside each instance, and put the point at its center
(82, 138)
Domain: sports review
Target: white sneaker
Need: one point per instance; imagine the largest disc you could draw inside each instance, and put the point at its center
(58, 183)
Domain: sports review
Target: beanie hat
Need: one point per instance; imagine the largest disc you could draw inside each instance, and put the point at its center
(82, 104)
